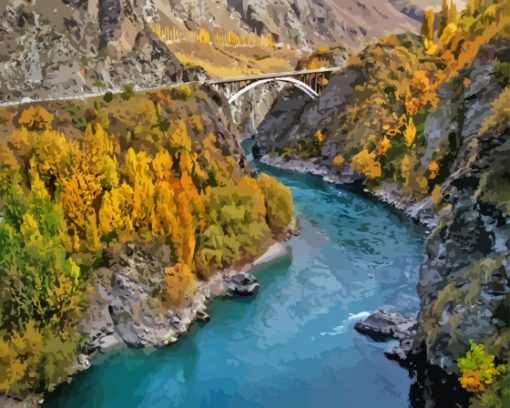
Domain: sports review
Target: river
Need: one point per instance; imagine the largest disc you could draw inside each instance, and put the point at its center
(293, 344)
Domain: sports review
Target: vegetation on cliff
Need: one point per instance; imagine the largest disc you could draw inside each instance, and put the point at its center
(76, 178)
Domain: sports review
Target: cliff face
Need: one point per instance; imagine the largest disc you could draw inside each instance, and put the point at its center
(62, 48)
(464, 282)
(302, 24)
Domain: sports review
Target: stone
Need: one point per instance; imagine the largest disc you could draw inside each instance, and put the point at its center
(243, 284)
(381, 326)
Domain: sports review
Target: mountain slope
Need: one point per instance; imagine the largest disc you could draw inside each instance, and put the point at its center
(305, 24)
(61, 48)
(415, 8)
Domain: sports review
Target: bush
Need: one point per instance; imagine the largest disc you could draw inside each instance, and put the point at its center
(127, 92)
(278, 200)
(181, 285)
(36, 118)
(183, 92)
(477, 369)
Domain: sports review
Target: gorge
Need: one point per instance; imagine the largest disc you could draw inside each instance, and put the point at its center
(136, 201)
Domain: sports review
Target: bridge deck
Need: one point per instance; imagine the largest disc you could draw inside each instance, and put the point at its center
(271, 75)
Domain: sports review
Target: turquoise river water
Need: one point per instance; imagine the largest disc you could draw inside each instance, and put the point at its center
(293, 344)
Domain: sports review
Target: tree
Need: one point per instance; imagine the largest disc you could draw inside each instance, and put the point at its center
(443, 18)
(36, 118)
(278, 200)
(366, 163)
(181, 285)
(427, 27)
(338, 163)
(453, 14)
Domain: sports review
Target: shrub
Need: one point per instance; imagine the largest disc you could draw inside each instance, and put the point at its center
(183, 92)
(338, 163)
(366, 163)
(477, 368)
(181, 285)
(319, 137)
(278, 200)
(36, 118)
(127, 92)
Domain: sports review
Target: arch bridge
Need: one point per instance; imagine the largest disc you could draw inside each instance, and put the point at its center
(310, 82)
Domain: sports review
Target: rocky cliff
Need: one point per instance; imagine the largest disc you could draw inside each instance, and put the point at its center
(464, 282)
(59, 48)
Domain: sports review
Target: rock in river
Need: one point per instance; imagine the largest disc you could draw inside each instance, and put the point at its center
(383, 325)
(243, 284)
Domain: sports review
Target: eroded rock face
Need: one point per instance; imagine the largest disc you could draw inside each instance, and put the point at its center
(304, 24)
(464, 280)
(128, 307)
(62, 48)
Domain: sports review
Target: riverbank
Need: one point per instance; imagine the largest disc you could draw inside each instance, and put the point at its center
(293, 342)
(106, 322)
(421, 211)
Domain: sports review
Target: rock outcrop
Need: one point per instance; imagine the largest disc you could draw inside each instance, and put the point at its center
(382, 325)
(128, 309)
(464, 283)
(60, 48)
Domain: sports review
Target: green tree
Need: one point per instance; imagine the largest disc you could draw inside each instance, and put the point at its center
(443, 18)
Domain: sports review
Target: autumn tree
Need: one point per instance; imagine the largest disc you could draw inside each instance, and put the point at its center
(278, 201)
(427, 27)
(181, 285)
(366, 163)
(36, 118)
(443, 18)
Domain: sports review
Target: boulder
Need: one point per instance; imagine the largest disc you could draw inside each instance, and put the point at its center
(382, 326)
(243, 284)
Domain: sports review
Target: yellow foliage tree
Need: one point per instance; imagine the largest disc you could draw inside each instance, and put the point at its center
(410, 133)
(427, 28)
(116, 211)
(36, 118)
(383, 146)
(433, 170)
(338, 162)
(366, 163)
(181, 284)
(162, 165)
(319, 137)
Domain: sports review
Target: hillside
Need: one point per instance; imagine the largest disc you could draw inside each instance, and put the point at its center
(55, 48)
(65, 48)
(415, 8)
(120, 216)
(305, 25)
(426, 129)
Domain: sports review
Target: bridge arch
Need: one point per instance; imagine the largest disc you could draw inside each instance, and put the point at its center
(298, 84)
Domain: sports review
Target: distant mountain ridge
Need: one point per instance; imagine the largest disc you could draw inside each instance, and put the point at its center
(305, 24)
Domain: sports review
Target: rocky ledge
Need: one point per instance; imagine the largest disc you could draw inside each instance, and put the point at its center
(421, 211)
(126, 310)
(347, 176)
(383, 326)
